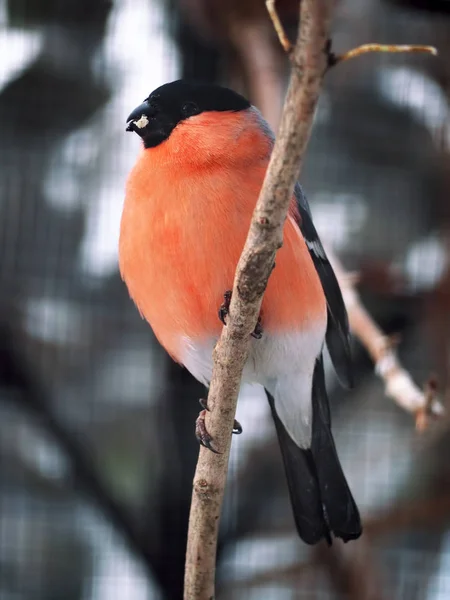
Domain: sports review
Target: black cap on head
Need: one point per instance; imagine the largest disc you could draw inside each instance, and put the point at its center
(160, 113)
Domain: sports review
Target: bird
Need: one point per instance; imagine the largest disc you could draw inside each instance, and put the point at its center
(189, 200)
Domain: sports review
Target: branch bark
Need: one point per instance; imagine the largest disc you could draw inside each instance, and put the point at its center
(256, 263)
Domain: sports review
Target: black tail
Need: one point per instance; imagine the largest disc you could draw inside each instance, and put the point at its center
(321, 499)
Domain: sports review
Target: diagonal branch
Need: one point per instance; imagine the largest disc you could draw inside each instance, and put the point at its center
(278, 26)
(264, 239)
(399, 385)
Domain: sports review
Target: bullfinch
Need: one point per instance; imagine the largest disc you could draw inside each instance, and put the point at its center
(188, 206)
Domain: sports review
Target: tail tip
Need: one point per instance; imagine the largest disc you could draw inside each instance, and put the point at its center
(348, 536)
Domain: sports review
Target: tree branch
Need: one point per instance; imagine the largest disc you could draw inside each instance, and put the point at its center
(256, 263)
(284, 40)
(399, 384)
(389, 48)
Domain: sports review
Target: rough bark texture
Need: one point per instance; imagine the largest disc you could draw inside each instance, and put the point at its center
(256, 263)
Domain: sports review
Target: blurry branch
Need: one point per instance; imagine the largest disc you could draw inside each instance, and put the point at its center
(429, 512)
(352, 569)
(253, 271)
(279, 574)
(261, 62)
(18, 374)
(398, 383)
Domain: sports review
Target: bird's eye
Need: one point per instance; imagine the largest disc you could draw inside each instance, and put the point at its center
(190, 109)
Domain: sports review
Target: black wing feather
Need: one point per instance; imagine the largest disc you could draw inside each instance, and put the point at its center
(321, 499)
(338, 332)
(341, 512)
(303, 485)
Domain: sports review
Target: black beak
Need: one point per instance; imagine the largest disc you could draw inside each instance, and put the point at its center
(137, 113)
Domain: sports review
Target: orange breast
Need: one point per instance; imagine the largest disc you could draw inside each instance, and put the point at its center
(182, 232)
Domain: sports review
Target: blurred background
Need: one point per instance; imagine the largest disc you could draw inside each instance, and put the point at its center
(97, 446)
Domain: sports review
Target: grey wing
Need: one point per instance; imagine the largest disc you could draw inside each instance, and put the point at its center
(338, 332)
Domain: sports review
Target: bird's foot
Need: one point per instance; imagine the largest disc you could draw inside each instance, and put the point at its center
(201, 433)
(225, 307)
(258, 331)
(224, 310)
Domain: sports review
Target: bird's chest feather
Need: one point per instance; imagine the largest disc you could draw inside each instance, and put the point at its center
(181, 238)
(179, 246)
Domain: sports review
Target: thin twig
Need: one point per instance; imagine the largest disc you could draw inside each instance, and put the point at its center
(252, 273)
(390, 48)
(278, 26)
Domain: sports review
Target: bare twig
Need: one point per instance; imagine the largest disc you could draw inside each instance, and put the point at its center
(398, 382)
(284, 40)
(252, 273)
(366, 48)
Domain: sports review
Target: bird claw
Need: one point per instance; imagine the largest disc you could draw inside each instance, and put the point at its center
(258, 331)
(225, 306)
(237, 428)
(225, 309)
(201, 433)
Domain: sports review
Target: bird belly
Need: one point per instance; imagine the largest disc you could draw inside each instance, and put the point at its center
(272, 357)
